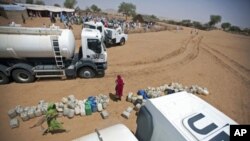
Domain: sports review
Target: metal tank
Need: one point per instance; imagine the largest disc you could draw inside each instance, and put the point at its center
(24, 42)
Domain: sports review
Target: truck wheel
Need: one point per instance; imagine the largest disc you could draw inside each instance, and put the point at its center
(3, 78)
(22, 76)
(122, 42)
(86, 73)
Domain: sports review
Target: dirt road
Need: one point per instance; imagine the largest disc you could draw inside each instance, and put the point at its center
(214, 59)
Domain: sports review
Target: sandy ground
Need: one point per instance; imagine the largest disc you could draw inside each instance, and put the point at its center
(217, 60)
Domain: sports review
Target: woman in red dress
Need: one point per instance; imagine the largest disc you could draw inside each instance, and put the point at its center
(119, 87)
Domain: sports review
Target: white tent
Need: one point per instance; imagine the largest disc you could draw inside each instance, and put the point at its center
(8, 7)
(45, 8)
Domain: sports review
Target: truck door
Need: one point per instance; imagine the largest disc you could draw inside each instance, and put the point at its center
(94, 50)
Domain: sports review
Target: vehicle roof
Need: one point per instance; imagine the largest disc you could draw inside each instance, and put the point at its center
(94, 23)
(92, 33)
(177, 108)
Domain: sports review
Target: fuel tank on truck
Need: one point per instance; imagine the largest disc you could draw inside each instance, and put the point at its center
(25, 42)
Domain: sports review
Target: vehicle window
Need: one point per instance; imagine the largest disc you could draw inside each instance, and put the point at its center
(109, 34)
(94, 45)
(99, 28)
(145, 126)
(89, 26)
(104, 46)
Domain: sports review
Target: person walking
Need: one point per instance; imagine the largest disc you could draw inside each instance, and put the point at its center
(119, 87)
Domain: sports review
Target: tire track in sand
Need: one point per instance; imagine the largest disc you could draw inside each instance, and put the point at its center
(239, 66)
(170, 55)
(228, 63)
(191, 52)
(195, 50)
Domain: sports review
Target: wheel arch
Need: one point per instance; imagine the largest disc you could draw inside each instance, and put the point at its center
(124, 41)
(86, 64)
(4, 69)
(24, 66)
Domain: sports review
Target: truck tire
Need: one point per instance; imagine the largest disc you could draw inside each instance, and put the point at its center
(22, 76)
(86, 72)
(3, 78)
(122, 42)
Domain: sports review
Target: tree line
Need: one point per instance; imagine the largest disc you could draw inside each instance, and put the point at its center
(214, 20)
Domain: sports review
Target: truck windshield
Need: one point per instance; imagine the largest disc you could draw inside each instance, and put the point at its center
(89, 26)
(99, 28)
(95, 45)
(109, 34)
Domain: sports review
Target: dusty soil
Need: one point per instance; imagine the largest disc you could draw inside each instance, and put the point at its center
(213, 59)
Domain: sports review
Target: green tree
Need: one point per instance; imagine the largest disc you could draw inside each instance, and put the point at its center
(225, 26)
(197, 25)
(128, 9)
(186, 23)
(29, 1)
(88, 9)
(70, 3)
(77, 8)
(235, 29)
(57, 5)
(214, 19)
(206, 26)
(95, 8)
(154, 18)
(246, 31)
(40, 2)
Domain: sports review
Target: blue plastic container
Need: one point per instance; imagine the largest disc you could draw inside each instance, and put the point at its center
(93, 104)
(143, 93)
(94, 107)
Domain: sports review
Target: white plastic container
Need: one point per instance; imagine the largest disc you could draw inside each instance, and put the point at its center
(99, 107)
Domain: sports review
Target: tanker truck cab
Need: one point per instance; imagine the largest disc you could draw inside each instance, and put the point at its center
(93, 53)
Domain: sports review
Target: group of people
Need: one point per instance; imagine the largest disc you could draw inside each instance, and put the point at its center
(194, 31)
(68, 19)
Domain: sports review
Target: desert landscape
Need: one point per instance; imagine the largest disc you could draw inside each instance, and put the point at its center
(214, 59)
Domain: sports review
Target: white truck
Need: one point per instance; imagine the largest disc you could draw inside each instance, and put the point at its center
(115, 36)
(110, 36)
(30, 53)
(176, 117)
(95, 25)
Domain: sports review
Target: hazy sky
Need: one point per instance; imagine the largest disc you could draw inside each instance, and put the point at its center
(237, 12)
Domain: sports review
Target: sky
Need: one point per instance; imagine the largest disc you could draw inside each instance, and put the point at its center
(236, 12)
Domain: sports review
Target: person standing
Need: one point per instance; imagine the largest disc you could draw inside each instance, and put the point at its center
(119, 87)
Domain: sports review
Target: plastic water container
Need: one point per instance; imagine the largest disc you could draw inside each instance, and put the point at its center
(91, 99)
(143, 93)
(94, 107)
(99, 107)
(88, 110)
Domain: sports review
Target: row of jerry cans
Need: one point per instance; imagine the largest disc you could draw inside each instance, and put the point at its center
(91, 106)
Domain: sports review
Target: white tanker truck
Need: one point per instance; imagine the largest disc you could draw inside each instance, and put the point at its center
(30, 53)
